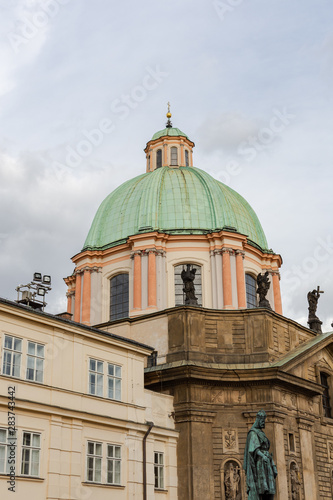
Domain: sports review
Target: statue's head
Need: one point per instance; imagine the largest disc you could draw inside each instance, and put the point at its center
(260, 420)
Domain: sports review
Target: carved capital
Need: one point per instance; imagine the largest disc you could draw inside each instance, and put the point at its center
(240, 252)
(304, 423)
(230, 251)
(136, 252)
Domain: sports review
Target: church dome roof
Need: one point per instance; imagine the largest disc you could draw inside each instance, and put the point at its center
(169, 131)
(184, 200)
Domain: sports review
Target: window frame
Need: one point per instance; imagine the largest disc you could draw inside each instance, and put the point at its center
(116, 379)
(35, 357)
(115, 461)
(121, 291)
(30, 449)
(99, 377)
(187, 158)
(173, 156)
(159, 470)
(94, 457)
(251, 304)
(5, 446)
(12, 352)
(159, 162)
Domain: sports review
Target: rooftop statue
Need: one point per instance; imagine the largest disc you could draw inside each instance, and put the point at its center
(259, 466)
(262, 290)
(189, 289)
(313, 320)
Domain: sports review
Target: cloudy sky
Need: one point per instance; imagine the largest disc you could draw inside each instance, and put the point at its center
(84, 85)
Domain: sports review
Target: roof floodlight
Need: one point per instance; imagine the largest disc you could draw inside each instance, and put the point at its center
(47, 279)
(41, 291)
(37, 277)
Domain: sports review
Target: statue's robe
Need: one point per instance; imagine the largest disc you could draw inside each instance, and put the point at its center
(260, 477)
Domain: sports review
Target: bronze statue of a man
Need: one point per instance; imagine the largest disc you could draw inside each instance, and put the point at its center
(258, 464)
(188, 277)
(262, 289)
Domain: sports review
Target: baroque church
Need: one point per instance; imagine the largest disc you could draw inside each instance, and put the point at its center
(171, 260)
(173, 340)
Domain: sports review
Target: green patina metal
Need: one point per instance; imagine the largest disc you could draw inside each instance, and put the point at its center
(171, 131)
(183, 200)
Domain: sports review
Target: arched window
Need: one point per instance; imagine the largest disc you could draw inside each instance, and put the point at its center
(179, 285)
(174, 156)
(251, 294)
(158, 158)
(119, 296)
(324, 380)
(187, 161)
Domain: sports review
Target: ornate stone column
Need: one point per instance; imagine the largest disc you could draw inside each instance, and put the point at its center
(70, 296)
(240, 276)
(137, 280)
(277, 292)
(226, 278)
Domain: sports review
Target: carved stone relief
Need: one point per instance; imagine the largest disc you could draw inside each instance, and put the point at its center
(230, 441)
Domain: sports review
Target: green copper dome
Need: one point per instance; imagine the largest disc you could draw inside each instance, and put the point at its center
(182, 200)
(171, 131)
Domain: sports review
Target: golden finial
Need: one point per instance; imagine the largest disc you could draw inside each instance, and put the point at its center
(168, 115)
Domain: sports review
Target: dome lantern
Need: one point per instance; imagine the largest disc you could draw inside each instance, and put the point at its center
(169, 147)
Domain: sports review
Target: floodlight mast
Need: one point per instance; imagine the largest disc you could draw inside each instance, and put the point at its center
(39, 286)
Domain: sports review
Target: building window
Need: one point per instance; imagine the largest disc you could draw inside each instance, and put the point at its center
(35, 362)
(4, 452)
(174, 156)
(119, 297)
(187, 162)
(326, 395)
(94, 462)
(179, 285)
(114, 381)
(30, 454)
(113, 464)
(12, 356)
(96, 377)
(251, 294)
(158, 158)
(159, 470)
(291, 439)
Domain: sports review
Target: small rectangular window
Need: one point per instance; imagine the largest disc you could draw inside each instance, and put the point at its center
(291, 443)
(159, 470)
(35, 362)
(113, 464)
(95, 377)
(12, 354)
(174, 156)
(94, 462)
(30, 454)
(114, 381)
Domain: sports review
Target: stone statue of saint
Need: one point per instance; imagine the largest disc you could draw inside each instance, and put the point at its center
(189, 290)
(258, 464)
(231, 482)
(294, 482)
(313, 320)
(262, 289)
